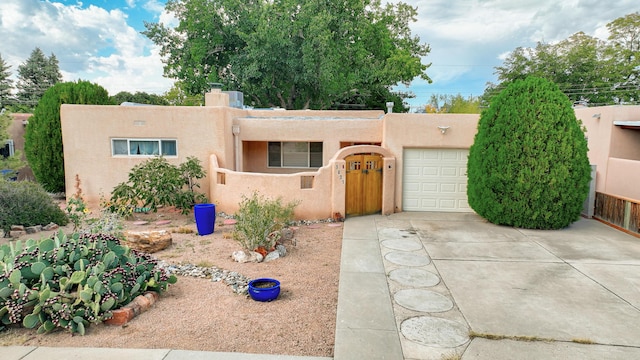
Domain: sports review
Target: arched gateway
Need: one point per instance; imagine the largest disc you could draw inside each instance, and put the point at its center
(368, 179)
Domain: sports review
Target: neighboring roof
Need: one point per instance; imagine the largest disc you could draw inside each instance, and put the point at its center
(631, 125)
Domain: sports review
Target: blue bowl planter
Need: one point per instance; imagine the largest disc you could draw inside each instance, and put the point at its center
(264, 289)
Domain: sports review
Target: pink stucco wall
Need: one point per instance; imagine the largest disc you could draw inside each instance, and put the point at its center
(231, 145)
(87, 131)
(614, 151)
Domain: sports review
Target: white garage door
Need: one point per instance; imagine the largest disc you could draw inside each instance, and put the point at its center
(435, 180)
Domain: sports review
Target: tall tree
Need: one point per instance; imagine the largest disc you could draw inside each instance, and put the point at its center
(178, 96)
(6, 83)
(585, 68)
(37, 74)
(43, 136)
(293, 54)
(623, 56)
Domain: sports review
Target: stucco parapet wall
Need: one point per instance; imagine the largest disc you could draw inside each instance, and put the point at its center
(314, 114)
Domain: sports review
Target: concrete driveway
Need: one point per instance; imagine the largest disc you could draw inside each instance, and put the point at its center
(464, 288)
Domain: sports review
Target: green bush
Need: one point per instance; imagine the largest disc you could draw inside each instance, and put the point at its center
(155, 183)
(528, 165)
(26, 203)
(43, 135)
(72, 281)
(259, 221)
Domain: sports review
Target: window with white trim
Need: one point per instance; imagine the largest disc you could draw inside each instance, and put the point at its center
(144, 147)
(292, 154)
(7, 150)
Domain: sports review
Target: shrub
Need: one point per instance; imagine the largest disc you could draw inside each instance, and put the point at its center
(155, 183)
(528, 165)
(26, 203)
(43, 135)
(71, 282)
(259, 221)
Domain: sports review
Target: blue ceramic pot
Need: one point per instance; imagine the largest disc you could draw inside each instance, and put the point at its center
(264, 289)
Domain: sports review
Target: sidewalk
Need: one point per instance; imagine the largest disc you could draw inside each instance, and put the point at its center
(433, 285)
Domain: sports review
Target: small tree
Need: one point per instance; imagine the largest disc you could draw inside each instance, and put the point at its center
(528, 165)
(155, 183)
(43, 136)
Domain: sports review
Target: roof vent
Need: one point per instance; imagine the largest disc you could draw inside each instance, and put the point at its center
(236, 99)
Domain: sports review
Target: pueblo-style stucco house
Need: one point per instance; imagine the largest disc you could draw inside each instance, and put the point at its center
(333, 162)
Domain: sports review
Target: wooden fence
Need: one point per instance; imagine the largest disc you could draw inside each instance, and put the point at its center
(618, 211)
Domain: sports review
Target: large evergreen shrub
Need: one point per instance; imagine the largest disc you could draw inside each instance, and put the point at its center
(43, 136)
(528, 165)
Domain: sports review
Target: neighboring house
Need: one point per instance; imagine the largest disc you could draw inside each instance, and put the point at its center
(333, 162)
(613, 135)
(16, 143)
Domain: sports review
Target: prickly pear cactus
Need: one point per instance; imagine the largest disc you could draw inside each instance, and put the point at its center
(72, 281)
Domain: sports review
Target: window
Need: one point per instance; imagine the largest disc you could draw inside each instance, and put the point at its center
(140, 147)
(7, 149)
(295, 154)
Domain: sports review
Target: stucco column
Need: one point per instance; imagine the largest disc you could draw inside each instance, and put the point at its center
(235, 129)
(388, 185)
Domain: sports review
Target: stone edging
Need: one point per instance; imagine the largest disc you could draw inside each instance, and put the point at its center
(137, 306)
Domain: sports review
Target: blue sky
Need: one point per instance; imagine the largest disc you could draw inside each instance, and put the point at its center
(100, 40)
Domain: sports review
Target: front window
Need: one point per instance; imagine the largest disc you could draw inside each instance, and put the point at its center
(292, 154)
(144, 147)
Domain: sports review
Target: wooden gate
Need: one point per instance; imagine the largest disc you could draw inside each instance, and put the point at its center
(364, 184)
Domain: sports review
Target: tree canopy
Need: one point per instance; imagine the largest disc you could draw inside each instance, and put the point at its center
(293, 54)
(586, 69)
(37, 74)
(452, 104)
(139, 98)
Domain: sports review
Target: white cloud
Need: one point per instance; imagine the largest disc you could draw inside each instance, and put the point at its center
(90, 43)
(154, 6)
(470, 38)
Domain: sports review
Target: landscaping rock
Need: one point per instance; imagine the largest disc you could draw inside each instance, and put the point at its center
(50, 226)
(16, 233)
(282, 250)
(279, 252)
(148, 241)
(33, 229)
(287, 234)
(244, 257)
(274, 255)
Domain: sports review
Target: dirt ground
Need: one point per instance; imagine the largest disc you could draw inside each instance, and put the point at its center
(198, 314)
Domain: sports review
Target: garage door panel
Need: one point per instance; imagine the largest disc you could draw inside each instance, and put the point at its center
(450, 171)
(412, 171)
(429, 155)
(430, 171)
(449, 188)
(412, 187)
(429, 187)
(448, 204)
(441, 178)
